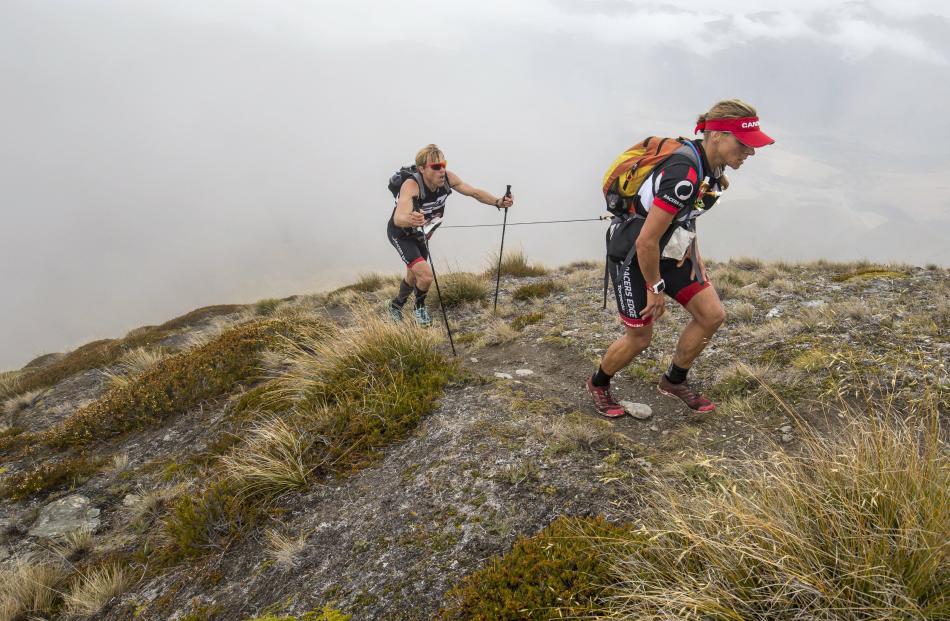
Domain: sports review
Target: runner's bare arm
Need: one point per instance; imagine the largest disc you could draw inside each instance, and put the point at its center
(405, 216)
(648, 256)
(478, 194)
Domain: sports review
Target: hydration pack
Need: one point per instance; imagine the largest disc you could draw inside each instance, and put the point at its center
(631, 168)
(400, 176)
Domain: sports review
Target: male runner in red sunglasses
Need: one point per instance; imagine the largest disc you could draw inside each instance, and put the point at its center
(432, 182)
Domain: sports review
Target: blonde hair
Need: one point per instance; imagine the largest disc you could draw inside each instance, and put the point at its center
(429, 153)
(728, 109)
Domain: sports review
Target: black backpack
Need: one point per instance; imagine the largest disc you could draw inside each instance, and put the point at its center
(400, 176)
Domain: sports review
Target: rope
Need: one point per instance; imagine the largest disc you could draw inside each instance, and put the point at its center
(472, 226)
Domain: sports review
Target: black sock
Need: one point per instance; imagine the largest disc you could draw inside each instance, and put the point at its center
(676, 375)
(600, 379)
(421, 297)
(404, 290)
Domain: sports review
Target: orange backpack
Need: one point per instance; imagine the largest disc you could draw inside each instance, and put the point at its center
(631, 168)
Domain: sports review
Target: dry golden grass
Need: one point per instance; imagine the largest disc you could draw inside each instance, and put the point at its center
(15, 406)
(8, 383)
(93, 589)
(578, 431)
(285, 549)
(784, 285)
(29, 588)
(743, 311)
(515, 263)
(272, 460)
(134, 363)
(496, 332)
(74, 543)
(853, 527)
(458, 288)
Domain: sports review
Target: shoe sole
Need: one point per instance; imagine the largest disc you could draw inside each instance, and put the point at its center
(683, 403)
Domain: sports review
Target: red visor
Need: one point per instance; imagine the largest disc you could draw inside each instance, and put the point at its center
(746, 130)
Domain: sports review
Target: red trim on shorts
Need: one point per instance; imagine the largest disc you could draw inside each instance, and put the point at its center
(684, 295)
(630, 322)
(416, 260)
(662, 204)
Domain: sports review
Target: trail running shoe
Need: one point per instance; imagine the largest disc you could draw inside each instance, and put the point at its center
(603, 402)
(693, 401)
(395, 312)
(423, 318)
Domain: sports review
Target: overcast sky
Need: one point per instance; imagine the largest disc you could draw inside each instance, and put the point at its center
(157, 156)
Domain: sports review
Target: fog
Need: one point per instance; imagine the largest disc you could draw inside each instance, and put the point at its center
(160, 156)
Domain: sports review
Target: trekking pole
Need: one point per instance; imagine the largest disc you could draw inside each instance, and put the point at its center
(425, 242)
(606, 272)
(501, 251)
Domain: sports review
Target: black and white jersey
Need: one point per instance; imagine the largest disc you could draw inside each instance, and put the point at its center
(433, 202)
(675, 185)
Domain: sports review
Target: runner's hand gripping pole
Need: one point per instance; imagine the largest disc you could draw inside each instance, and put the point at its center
(416, 206)
(501, 250)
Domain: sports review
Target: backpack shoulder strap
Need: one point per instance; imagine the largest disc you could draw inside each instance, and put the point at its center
(422, 186)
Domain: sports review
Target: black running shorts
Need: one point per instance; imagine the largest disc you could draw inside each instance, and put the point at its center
(410, 247)
(630, 288)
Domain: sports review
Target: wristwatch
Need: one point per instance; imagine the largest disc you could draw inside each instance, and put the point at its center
(658, 288)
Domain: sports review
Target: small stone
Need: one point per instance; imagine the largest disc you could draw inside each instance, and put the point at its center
(654, 428)
(169, 437)
(666, 432)
(813, 303)
(787, 437)
(503, 375)
(130, 500)
(787, 429)
(639, 411)
(772, 314)
(473, 359)
(523, 372)
(568, 332)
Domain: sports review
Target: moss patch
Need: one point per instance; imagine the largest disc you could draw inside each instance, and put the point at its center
(537, 290)
(560, 572)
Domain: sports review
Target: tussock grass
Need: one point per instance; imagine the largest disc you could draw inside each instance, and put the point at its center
(784, 285)
(9, 381)
(460, 287)
(520, 322)
(854, 309)
(92, 589)
(133, 363)
(746, 263)
(743, 311)
(515, 263)
(578, 432)
(496, 332)
(272, 460)
(538, 290)
(285, 549)
(150, 506)
(868, 272)
(366, 283)
(343, 394)
(267, 306)
(854, 527)
(74, 544)
(175, 384)
(15, 406)
(29, 588)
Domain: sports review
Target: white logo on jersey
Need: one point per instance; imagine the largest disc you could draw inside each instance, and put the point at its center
(683, 190)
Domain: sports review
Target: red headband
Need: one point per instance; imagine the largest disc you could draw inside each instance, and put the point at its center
(746, 130)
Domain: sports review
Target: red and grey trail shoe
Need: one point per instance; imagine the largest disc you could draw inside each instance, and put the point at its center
(603, 402)
(693, 401)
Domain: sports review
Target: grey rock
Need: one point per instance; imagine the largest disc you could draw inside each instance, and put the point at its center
(787, 437)
(786, 429)
(500, 375)
(773, 313)
(523, 372)
(813, 303)
(64, 516)
(639, 411)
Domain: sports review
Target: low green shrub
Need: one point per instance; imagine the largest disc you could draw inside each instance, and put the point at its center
(48, 476)
(210, 520)
(537, 290)
(559, 573)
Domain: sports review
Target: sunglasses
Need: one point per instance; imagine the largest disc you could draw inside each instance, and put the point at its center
(437, 165)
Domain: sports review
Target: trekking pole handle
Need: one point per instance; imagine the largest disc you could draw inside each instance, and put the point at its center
(507, 194)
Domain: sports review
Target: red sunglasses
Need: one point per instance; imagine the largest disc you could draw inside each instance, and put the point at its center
(437, 165)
